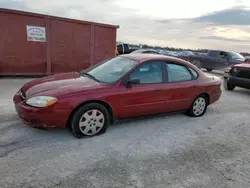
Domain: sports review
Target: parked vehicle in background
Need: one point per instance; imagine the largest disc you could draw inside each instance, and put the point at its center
(203, 53)
(145, 51)
(125, 48)
(199, 53)
(237, 76)
(186, 55)
(169, 53)
(216, 60)
(122, 87)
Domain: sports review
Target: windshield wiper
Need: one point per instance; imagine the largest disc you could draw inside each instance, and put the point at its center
(82, 73)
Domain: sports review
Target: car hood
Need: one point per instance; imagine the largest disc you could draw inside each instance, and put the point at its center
(243, 65)
(238, 61)
(60, 84)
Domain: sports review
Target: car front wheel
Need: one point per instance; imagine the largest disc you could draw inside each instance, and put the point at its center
(228, 86)
(90, 120)
(198, 107)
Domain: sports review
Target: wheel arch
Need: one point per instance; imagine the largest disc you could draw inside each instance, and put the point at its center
(207, 96)
(105, 104)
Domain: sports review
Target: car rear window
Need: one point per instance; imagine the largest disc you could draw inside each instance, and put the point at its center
(149, 73)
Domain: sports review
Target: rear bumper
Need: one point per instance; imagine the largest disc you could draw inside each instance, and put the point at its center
(50, 117)
(236, 81)
(214, 98)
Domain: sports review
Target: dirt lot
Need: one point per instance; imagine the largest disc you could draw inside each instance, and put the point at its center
(165, 151)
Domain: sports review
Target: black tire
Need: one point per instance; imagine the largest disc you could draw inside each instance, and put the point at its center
(191, 112)
(228, 86)
(209, 69)
(74, 124)
(197, 63)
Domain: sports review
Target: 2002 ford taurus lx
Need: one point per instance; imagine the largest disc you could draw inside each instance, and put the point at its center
(124, 86)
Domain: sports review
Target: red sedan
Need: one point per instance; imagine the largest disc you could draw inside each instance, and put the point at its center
(125, 86)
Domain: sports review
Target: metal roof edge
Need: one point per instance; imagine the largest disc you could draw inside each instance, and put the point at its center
(21, 12)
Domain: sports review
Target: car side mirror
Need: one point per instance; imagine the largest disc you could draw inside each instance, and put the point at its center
(133, 81)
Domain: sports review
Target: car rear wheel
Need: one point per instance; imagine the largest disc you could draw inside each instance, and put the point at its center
(197, 63)
(228, 86)
(90, 120)
(209, 69)
(198, 107)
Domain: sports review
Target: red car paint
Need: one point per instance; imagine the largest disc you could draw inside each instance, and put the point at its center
(243, 65)
(72, 90)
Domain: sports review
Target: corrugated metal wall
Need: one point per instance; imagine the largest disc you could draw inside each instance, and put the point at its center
(71, 45)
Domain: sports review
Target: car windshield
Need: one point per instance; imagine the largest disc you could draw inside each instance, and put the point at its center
(235, 55)
(111, 70)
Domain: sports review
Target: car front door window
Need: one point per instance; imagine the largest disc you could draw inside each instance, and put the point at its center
(148, 73)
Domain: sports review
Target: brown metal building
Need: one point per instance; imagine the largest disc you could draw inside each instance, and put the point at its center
(35, 44)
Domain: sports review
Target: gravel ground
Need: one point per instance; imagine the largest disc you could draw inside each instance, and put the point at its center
(164, 151)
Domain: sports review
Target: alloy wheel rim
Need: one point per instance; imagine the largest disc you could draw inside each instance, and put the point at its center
(199, 106)
(91, 122)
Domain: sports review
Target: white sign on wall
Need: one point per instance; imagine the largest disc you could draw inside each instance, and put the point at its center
(36, 34)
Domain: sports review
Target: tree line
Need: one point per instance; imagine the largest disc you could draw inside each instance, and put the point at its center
(175, 49)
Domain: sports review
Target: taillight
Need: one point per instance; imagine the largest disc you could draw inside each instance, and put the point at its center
(234, 70)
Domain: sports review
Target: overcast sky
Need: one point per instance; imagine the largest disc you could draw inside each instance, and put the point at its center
(216, 24)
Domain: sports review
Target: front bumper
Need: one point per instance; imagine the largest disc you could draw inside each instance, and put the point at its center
(50, 117)
(236, 81)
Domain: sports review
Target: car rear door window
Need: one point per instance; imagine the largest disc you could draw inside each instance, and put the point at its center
(148, 73)
(195, 74)
(177, 73)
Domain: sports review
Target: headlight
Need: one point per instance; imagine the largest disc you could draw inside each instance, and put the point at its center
(234, 70)
(227, 70)
(41, 101)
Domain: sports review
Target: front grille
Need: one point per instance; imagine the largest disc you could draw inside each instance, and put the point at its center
(243, 74)
(23, 95)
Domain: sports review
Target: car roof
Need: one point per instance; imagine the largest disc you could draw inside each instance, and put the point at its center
(146, 57)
